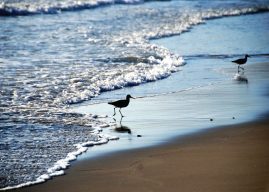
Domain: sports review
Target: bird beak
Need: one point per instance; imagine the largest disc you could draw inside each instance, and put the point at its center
(132, 97)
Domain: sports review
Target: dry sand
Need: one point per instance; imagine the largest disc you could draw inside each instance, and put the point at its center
(233, 158)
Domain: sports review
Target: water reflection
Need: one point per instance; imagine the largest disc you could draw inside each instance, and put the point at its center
(122, 128)
(241, 77)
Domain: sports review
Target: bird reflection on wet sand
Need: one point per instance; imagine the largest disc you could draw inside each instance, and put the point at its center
(122, 128)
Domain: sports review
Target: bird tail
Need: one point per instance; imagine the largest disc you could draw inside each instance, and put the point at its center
(110, 103)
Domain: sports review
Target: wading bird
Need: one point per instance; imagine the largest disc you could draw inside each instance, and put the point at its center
(121, 104)
(241, 62)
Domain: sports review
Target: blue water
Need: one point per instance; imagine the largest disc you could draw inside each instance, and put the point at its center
(57, 54)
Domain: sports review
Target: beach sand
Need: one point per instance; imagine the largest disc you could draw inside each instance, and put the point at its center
(232, 158)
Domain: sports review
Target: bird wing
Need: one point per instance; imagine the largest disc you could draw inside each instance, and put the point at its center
(115, 103)
(235, 61)
(239, 61)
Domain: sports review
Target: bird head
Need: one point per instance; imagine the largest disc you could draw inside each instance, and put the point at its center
(247, 55)
(129, 96)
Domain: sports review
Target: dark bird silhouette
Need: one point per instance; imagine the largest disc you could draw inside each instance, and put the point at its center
(121, 104)
(241, 62)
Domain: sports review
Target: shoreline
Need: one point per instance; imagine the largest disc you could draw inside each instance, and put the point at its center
(155, 128)
(170, 120)
(228, 158)
(114, 158)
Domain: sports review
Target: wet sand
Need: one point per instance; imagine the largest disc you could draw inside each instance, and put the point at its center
(232, 158)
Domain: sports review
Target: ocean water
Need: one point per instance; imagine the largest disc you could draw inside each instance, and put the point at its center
(54, 54)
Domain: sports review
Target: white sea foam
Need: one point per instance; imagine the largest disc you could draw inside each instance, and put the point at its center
(28, 7)
(58, 168)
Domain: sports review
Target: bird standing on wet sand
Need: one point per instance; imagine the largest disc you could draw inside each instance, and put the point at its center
(241, 61)
(121, 104)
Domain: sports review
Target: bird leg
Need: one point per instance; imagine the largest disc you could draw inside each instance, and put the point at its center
(114, 111)
(121, 120)
(238, 69)
(121, 113)
(243, 70)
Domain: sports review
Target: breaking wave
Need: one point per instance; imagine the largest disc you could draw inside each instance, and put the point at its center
(30, 7)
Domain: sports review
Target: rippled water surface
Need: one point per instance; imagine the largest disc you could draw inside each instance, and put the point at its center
(65, 52)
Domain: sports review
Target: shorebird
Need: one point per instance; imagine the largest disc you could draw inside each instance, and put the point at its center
(121, 104)
(241, 61)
